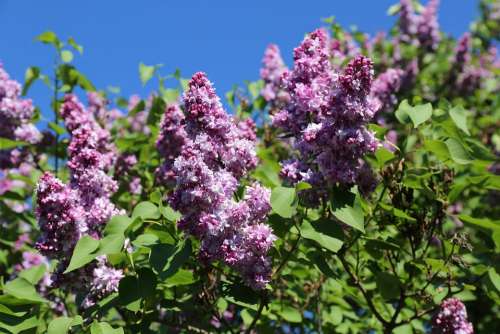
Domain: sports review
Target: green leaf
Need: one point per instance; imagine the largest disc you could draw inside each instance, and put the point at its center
(57, 128)
(49, 37)
(480, 222)
(82, 254)
(388, 285)
(117, 225)
(170, 214)
(459, 116)
(166, 259)
(397, 212)
(145, 240)
(146, 72)
(33, 274)
(383, 156)
(315, 233)
(104, 328)
(402, 112)
(66, 56)
(146, 210)
(132, 289)
(31, 74)
(6, 143)
(438, 148)
(419, 114)
(346, 207)
(283, 201)
(457, 151)
(182, 277)
(291, 314)
(110, 244)
(494, 278)
(22, 289)
(76, 46)
(62, 325)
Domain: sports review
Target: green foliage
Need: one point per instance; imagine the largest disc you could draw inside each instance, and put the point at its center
(353, 261)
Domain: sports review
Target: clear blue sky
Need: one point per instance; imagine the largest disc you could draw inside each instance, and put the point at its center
(224, 38)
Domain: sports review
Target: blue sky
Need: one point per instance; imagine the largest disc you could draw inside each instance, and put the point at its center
(224, 38)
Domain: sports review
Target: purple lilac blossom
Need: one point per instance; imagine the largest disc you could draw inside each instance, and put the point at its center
(428, 27)
(327, 115)
(384, 89)
(451, 318)
(272, 69)
(419, 30)
(98, 106)
(217, 152)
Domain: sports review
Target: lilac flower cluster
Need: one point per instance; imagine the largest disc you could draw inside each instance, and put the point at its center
(327, 115)
(344, 49)
(15, 121)
(90, 154)
(15, 113)
(451, 318)
(466, 76)
(98, 106)
(67, 212)
(420, 30)
(138, 121)
(171, 138)
(384, 88)
(216, 153)
(271, 72)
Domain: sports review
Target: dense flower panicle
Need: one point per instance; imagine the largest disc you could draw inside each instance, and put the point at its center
(16, 114)
(343, 49)
(98, 106)
(420, 30)
(428, 26)
(90, 155)
(326, 115)
(451, 318)
(462, 52)
(407, 20)
(138, 121)
(384, 89)
(60, 218)
(271, 72)
(217, 151)
(172, 134)
(105, 280)
(67, 212)
(171, 138)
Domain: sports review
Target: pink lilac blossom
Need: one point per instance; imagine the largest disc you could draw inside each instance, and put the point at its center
(215, 155)
(90, 154)
(272, 69)
(327, 115)
(67, 212)
(451, 318)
